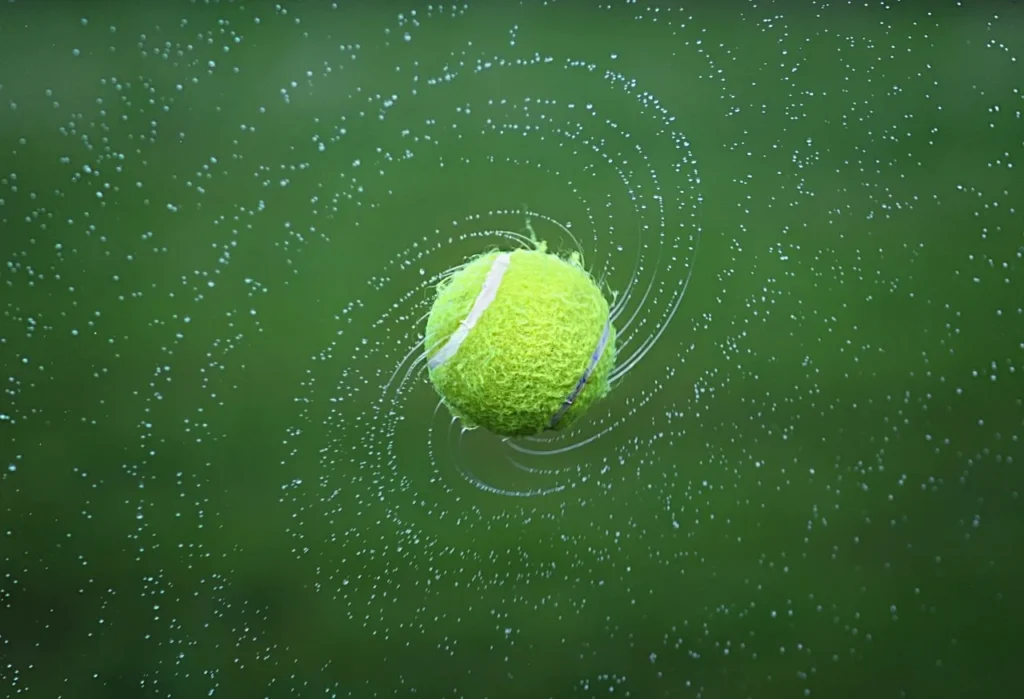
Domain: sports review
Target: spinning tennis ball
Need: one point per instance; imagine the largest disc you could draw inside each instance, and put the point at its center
(520, 342)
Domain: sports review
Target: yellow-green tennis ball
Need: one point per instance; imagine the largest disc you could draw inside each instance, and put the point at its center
(520, 342)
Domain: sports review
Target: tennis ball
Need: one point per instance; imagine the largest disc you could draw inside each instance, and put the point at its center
(520, 342)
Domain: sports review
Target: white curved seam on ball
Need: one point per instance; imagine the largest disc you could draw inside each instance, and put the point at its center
(602, 343)
(483, 300)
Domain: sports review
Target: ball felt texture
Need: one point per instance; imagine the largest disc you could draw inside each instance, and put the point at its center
(520, 342)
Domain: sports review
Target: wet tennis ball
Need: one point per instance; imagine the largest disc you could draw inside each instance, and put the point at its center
(520, 342)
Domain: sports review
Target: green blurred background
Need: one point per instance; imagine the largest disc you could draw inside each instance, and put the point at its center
(220, 227)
